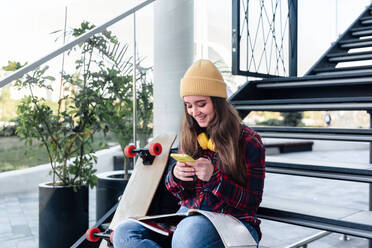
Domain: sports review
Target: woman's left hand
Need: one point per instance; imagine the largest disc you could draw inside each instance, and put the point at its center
(203, 168)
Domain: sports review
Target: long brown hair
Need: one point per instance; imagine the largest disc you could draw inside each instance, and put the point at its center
(224, 130)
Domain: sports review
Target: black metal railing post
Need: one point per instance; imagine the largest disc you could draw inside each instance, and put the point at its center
(235, 37)
(292, 49)
(370, 161)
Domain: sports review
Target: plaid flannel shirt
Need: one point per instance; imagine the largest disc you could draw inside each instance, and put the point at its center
(221, 194)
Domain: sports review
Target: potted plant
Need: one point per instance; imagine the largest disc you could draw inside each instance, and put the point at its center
(115, 111)
(118, 117)
(67, 135)
(67, 132)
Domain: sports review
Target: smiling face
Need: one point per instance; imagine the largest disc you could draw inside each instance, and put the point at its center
(200, 108)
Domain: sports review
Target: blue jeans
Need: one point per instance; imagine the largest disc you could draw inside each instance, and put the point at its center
(193, 231)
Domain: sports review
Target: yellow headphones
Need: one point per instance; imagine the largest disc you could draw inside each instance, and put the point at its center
(205, 143)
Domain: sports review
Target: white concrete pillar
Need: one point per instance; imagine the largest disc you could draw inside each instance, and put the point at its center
(201, 30)
(173, 54)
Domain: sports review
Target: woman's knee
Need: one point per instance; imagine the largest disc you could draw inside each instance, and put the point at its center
(126, 231)
(128, 227)
(196, 231)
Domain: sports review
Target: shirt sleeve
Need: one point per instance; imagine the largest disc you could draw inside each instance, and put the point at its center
(178, 188)
(248, 196)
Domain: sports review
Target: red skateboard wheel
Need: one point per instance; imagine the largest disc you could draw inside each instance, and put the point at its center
(128, 151)
(90, 234)
(112, 237)
(155, 149)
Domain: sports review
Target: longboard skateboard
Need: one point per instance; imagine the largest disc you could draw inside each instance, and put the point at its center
(142, 184)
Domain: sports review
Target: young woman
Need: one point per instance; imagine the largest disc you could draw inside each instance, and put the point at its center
(227, 176)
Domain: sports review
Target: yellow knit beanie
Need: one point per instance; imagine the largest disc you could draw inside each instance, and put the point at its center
(203, 79)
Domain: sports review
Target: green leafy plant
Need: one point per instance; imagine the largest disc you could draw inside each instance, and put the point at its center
(292, 119)
(7, 103)
(115, 72)
(67, 134)
(98, 99)
(8, 130)
(271, 122)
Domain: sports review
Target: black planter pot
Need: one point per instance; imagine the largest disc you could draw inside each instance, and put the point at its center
(119, 162)
(63, 215)
(110, 186)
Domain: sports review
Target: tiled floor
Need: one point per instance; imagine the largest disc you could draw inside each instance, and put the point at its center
(19, 213)
(19, 219)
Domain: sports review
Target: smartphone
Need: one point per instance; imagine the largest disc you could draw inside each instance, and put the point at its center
(182, 158)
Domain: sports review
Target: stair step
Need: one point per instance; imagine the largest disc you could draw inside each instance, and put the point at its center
(347, 57)
(310, 77)
(332, 170)
(366, 20)
(343, 69)
(335, 92)
(320, 174)
(354, 40)
(357, 135)
(325, 100)
(316, 82)
(355, 43)
(354, 222)
(304, 106)
(362, 31)
(344, 73)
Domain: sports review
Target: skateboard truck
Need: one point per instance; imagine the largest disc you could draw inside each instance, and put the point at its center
(147, 154)
(94, 234)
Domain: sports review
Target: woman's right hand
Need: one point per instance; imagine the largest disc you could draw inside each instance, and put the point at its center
(184, 172)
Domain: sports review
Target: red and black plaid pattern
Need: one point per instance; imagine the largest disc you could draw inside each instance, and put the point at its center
(221, 194)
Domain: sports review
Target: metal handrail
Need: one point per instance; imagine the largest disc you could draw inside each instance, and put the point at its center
(20, 72)
(304, 242)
